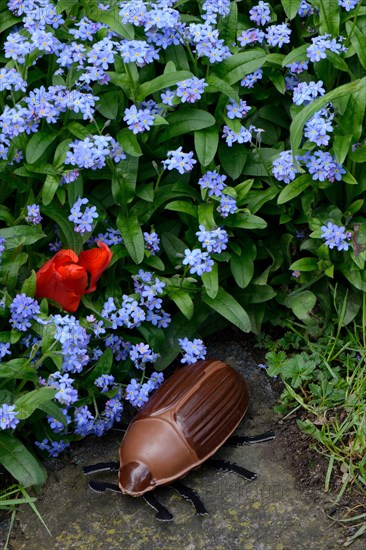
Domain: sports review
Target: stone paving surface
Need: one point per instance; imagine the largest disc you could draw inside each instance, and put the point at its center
(269, 513)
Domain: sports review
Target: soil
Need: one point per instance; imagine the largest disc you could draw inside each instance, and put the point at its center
(286, 508)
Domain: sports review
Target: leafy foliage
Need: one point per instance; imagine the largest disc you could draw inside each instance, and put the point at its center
(327, 382)
(218, 150)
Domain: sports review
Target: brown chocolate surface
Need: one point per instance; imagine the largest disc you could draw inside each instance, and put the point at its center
(187, 419)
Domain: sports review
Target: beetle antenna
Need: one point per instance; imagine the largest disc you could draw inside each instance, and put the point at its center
(122, 427)
(162, 513)
(188, 494)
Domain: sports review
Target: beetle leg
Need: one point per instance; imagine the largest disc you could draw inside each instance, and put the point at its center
(188, 494)
(101, 467)
(237, 440)
(226, 466)
(101, 486)
(162, 513)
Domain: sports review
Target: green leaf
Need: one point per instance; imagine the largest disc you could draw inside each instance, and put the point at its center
(355, 276)
(275, 59)
(242, 267)
(257, 294)
(50, 186)
(52, 409)
(256, 199)
(184, 121)
(351, 121)
(146, 192)
(21, 464)
(294, 188)
(11, 267)
(355, 206)
(29, 285)
(229, 308)
(357, 41)
(242, 189)
(102, 366)
(8, 20)
(177, 54)
(298, 54)
(64, 5)
(338, 62)
(60, 153)
(305, 264)
(217, 85)
(155, 262)
(341, 147)
(37, 145)
(183, 300)
(69, 237)
(301, 304)
(260, 164)
(38, 168)
(109, 103)
(18, 369)
(159, 121)
(298, 123)
(26, 404)
(129, 142)
(278, 115)
(237, 66)
(205, 143)
(246, 221)
(133, 238)
(21, 235)
(359, 155)
(161, 82)
(123, 81)
(182, 206)
(211, 281)
(170, 67)
(348, 178)
(206, 216)
(291, 7)
(232, 159)
(112, 19)
(329, 17)
(173, 247)
(78, 130)
(227, 25)
(124, 180)
(6, 215)
(278, 80)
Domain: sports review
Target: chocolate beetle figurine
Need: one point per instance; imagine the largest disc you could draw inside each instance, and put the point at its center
(190, 416)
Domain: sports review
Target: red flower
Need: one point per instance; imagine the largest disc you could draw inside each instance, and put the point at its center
(64, 278)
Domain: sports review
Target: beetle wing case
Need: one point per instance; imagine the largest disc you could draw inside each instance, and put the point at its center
(184, 423)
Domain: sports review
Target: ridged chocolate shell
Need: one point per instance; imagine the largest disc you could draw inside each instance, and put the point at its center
(184, 422)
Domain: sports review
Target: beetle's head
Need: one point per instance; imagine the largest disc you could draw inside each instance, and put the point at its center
(135, 478)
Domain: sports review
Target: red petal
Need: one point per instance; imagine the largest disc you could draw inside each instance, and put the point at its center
(64, 257)
(73, 277)
(61, 280)
(95, 261)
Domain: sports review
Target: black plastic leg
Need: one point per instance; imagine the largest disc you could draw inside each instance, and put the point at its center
(237, 440)
(162, 513)
(101, 487)
(188, 494)
(226, 466)
(101, 467)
